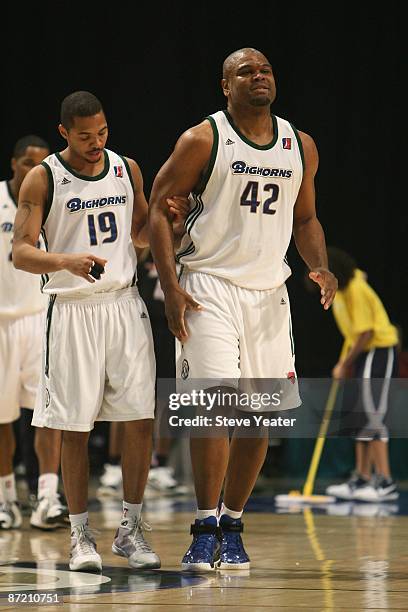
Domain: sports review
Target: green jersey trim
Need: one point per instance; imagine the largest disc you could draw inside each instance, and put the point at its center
(206, 177)
(47, 333)
(125, 161)
(83, 177)
(300, 145)
(187, 251)
(50, 195)
(249, 142)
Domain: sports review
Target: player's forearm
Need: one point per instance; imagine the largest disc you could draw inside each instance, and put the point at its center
(358, 347)
(31, 259)
(310, 242)
(162, 247)
(140, 237)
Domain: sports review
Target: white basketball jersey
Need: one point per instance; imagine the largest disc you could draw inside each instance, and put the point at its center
(241, 218)
(20, 293)
(90, 214)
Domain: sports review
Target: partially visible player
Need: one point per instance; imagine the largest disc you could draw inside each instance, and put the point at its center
(370, 348)
(22, 308)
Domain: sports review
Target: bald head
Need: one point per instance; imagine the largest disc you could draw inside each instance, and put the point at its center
(236, 57)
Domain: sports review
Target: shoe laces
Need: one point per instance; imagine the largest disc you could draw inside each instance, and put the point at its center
(203, 541)
(234, 542)
(86, 538)
(136, 535)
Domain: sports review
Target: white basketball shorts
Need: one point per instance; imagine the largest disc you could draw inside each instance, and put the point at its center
(20, 364)
(98, 362)
(239, 334)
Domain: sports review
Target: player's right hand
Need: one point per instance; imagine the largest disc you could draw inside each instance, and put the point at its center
(177, 301)
(81, 264)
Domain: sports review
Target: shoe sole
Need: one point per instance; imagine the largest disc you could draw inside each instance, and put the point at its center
(119, 552)
(390, 497)
(13, 526)
(87, 566)
(235, 566)
(199, 567)
(44, 526)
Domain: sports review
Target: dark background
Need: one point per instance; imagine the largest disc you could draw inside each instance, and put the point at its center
(157, 68)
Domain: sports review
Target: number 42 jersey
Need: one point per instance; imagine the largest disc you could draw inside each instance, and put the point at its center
(90, 214)
(241, 216)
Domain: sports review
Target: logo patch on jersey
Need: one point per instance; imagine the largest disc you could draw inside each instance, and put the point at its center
(144, 316)
(241, 167)
(65, 181)
(7, 226)
(283, 301)
(76, 204)
(292, 377)
(287, 143)
(118, 171)
(229, 141)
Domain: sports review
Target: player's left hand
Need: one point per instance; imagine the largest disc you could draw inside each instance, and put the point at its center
(327, 283)
(339, 371)
(179, 208)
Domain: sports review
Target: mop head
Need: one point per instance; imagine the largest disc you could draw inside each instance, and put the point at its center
(296, 497)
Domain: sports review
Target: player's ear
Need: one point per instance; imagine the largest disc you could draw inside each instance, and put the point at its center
(13, 164)
(63, 131)
(225, 87)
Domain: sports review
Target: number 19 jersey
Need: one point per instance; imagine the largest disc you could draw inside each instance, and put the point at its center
(241, 218)
(90, 214)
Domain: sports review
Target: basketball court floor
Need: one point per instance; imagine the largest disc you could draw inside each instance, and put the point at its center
(344, 556)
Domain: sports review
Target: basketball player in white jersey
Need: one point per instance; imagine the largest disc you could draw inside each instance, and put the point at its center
(22, 310)
(98, 360)
(250, 176)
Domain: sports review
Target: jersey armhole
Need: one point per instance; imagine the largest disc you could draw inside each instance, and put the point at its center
(50, 195)
(300, 145)
(206, 177)
(125, 161)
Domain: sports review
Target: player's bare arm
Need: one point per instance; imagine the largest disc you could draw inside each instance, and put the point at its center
(179, 176)
(140, 207)
(178, 207)
(307, 230)
(27, 228)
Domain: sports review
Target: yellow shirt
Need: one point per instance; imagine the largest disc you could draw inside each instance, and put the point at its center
(358, 309)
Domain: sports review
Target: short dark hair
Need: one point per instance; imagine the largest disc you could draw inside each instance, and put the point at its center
(28, 141)
(79, 104)
(342, 265)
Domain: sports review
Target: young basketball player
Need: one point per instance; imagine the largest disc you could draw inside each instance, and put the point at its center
(98, 361)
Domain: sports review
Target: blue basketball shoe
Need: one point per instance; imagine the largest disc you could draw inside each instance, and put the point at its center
(232, 555)
(204, 552)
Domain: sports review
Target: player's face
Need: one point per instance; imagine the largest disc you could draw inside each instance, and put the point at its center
(31, 157)
(251, 81)
(87, 137)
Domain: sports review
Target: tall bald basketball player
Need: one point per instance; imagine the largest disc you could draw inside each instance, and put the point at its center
(22, 308)
(98, 360)
(250, 176)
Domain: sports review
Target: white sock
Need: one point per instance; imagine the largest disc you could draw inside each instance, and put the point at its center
(131, 512)
(47, 485)
(232, 513)
(8, 487)
(78, 519)
(203, 514)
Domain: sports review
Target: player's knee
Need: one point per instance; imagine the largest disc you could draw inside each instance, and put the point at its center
(75, 438)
